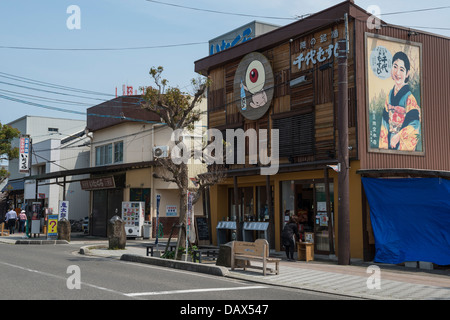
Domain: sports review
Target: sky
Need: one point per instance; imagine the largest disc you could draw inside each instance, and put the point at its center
(173, 37)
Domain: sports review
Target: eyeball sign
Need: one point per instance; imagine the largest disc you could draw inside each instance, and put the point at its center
(253, 85)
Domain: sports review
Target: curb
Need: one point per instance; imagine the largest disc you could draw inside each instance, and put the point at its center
(176, 264)
(41, 242)
(86, 250)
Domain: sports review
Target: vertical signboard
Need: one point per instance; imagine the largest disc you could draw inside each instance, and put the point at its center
(52, 232)
(63, 210)
(158, 201)
(24, 153)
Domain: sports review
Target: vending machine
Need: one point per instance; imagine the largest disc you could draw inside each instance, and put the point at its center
(133, 215)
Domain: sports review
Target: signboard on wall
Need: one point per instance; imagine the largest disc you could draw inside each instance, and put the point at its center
(98, 183)
(239, 35)
(254, 85)
(394, 104)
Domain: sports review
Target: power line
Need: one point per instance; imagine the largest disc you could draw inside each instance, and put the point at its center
(48, 84)
(104, 49)
(416, 10)
(73, 111)
(21, 94)
(220, 12)
(48, 91)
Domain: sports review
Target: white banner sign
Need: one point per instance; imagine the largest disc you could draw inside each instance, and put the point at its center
(24, 151)
(63, 210)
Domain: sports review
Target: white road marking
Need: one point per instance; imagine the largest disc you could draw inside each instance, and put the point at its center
(155, 293)
(59, 277)
(133, 294)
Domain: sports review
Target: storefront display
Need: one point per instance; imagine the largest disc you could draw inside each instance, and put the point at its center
(307, 200)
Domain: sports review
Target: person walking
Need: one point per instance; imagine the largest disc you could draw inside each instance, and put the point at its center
(22, 220)
(289, 235)
(11, 218)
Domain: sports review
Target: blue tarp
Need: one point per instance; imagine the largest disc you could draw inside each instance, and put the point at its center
(410, 219)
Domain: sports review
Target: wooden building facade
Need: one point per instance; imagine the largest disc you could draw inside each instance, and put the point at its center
(302, 103)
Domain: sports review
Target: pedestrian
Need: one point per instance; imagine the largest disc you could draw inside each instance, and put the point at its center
(11, 218)
(289, 236)
(22, 220)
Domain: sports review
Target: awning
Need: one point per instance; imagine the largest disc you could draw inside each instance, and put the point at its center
(14, 185)
(403, 172)
(92, 170)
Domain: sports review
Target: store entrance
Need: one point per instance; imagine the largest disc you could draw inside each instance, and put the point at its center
(308, 201)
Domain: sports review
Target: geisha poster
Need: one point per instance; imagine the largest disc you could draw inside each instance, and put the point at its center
(393, 71)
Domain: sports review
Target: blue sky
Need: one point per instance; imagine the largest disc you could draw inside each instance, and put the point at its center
(138, 23)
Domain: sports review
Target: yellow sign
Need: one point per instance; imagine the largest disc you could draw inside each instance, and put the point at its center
(52, 225)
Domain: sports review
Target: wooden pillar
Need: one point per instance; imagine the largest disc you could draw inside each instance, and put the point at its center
(343, 157)
(238, 214)
(271, 214)
(329, 213)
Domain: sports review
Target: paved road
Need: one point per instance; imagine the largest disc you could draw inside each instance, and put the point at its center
(46, 272)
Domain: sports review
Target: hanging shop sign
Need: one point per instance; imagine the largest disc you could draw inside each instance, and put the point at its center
(254, 85)
(24, 152)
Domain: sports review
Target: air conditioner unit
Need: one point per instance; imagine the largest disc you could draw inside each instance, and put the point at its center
(160, 151)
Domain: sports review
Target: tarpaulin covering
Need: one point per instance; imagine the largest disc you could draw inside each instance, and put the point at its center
(410, 219)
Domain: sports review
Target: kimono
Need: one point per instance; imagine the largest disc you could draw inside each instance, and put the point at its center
(401, 115)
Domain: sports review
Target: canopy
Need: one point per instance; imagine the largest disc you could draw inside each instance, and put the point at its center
(410, 219)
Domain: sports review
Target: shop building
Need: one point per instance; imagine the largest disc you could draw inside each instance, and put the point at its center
(125, 141)
(287, 79)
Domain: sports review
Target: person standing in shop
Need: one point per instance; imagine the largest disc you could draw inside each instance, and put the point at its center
(289, 236)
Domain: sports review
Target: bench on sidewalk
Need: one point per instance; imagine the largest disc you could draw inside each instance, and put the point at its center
(253, 251)
(150, 247)
(209, 252)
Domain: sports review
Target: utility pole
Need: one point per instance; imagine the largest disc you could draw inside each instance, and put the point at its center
(343, 178)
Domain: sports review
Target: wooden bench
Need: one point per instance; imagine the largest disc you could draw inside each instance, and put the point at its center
(151, 246)
(253, 251)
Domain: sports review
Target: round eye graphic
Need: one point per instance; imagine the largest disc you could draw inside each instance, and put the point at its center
(255, 77)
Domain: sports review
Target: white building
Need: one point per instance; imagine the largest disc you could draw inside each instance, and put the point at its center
(54, 155)
(39, 129)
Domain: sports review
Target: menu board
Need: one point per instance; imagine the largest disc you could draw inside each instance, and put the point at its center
(202, 228)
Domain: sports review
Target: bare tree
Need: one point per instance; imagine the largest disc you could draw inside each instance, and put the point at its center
(178, 110)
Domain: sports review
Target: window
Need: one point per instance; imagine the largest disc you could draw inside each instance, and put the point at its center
(53, 130)
(118, 152)
(296, 135)
(104, 154)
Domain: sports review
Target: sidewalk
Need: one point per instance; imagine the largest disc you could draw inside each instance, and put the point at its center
(396, 282)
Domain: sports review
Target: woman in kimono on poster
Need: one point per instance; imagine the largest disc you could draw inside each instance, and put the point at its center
(400, 125)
